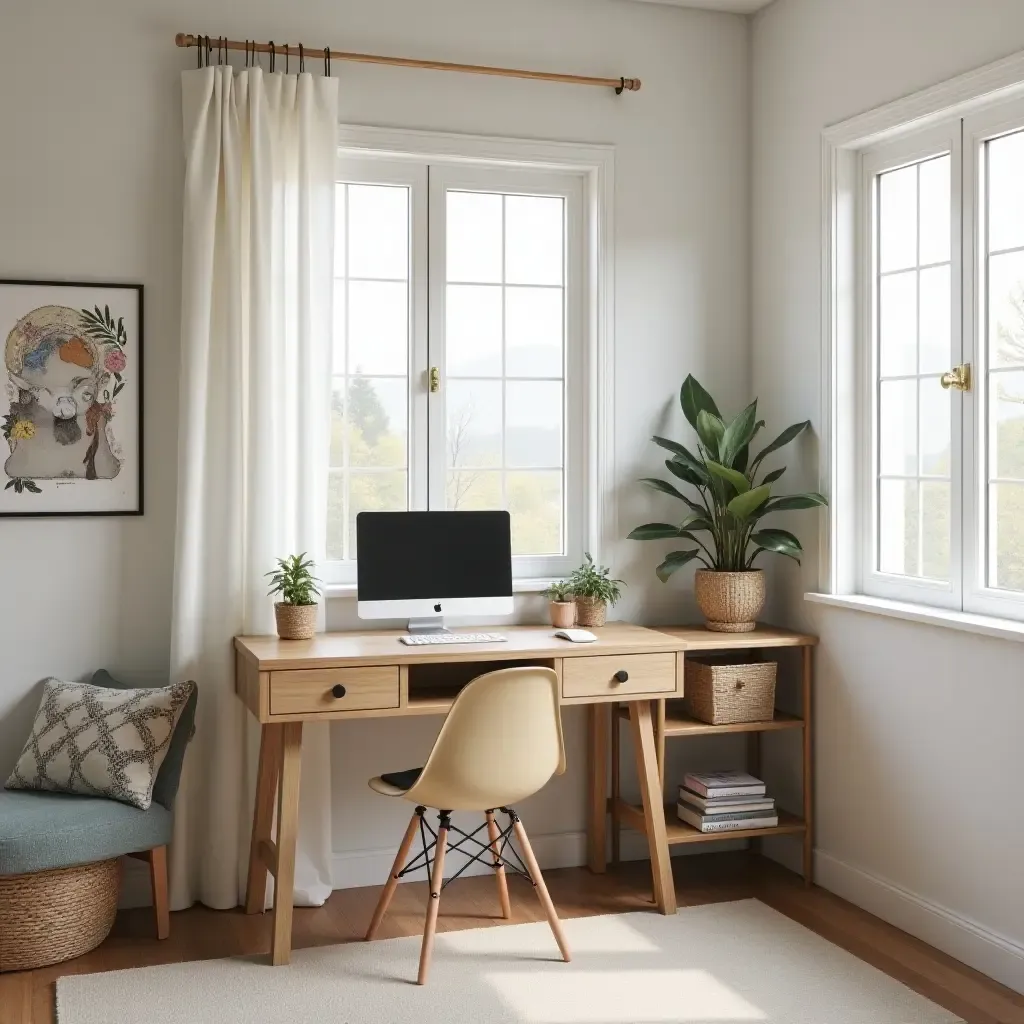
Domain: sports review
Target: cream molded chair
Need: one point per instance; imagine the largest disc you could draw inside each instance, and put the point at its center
(501, 742)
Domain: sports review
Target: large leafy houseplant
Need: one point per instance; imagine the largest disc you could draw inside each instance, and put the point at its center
(732, 494)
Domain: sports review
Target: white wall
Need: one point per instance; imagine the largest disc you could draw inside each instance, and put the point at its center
(90, 185)
(919, 753)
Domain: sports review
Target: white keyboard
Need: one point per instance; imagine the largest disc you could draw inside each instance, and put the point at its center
(416, 639)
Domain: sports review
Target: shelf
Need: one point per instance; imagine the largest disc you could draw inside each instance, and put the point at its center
(679, 724)
(679, 832)
(700, 639)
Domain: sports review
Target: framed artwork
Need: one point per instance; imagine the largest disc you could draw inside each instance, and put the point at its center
(70, 399)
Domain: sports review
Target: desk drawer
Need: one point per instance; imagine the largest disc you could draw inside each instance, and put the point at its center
(602, 676)
(308, 691)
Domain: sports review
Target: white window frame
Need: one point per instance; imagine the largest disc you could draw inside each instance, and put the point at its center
(987, 101)
(400, 156)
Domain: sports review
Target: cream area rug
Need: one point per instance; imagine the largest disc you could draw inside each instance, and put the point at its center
(725, 963)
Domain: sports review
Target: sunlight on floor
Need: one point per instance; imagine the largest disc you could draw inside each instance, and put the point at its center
(597, 997)
(601, 935)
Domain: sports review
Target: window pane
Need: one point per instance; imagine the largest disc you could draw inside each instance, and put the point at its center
(336, 517)
(935, 434)
(474, 489)
(936, 202)
(935, 529)
(339, 229)
(378, 225)
(374, 492)
(533, 424)
(936, 318)
(899, 533)
(1006, 429)
(1005, 195)
(1007, 536)
(378, 412)
(897, 316)
(535, 505)
(340, 326)
(533, 332)
(1006, 309)
(898, 428)
(473, 330)
(378, 327)
(897, 219)
(533, 239)
(474, 423)
(474, 236)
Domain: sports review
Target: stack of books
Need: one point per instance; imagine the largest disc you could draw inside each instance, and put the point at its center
(725, 802)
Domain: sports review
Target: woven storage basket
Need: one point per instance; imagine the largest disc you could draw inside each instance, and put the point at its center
(50, 916)
(295, 621)
(722, 693)
(590, 611)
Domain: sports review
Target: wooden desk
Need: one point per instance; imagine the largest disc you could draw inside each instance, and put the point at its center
(337, 676)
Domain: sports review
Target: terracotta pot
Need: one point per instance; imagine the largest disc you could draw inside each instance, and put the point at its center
(295, 621)
(590, 611)
(730, 601)
(563, 614)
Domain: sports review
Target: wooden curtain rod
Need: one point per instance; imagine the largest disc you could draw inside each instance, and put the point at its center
(618, 84)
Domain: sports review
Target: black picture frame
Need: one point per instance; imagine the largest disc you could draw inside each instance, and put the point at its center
(138, 376)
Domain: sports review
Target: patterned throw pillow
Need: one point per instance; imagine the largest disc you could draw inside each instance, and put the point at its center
(96, 741)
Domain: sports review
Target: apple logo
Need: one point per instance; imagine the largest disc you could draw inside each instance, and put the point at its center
(437, 607)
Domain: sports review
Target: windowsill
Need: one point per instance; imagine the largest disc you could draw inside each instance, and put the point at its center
(986, 625)
(524, 586)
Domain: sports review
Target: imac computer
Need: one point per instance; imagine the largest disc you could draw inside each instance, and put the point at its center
(422, 566)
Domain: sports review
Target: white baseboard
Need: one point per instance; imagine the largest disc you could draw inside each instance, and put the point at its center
(979, 947)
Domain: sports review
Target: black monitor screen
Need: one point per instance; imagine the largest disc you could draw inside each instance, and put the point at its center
(408, 556)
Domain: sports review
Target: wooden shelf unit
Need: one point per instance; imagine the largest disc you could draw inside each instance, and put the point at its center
(671, 720)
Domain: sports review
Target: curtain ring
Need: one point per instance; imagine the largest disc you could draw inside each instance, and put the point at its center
(287, 58)
(327, 61)
(199, 51)
(621, 86)
(209, 51)
(273, 55)
(302, 60)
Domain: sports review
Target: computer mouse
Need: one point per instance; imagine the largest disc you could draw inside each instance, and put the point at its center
(576, 636)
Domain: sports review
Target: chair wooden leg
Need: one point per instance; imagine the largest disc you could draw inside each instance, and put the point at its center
(158, 878)
(542, 889)
(392, 884)
(499, 868)
(436, 880)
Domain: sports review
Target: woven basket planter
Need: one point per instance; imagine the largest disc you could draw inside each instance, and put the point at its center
(730, 601)
(721, 693)
(590, 611)
(50, 916)
(295, 621)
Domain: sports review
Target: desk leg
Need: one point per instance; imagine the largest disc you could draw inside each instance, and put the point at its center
(598, 735)
(616, 821)
(651, 793)
(287, 835)
(808, 714)
(263, 817)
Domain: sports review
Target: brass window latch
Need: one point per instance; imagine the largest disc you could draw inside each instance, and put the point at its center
(435, 380)
(959, 377)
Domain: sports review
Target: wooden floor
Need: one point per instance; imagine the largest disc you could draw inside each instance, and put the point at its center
(28, 997)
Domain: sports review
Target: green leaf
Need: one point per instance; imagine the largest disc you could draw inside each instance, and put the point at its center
(694, 399)
(33, 487)
(782, 440)
(743, 505)
(654, 531)
(738, 434)
(673, 561)
(794, 501)
(780, 541)
(683, 472)
(710, 429)
(774, 475)
(118, 388)
(10, 484)
(738, 480)
(106, 316)
(664, 487)
(683, 455)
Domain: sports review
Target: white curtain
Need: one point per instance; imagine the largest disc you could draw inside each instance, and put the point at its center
(257, 270)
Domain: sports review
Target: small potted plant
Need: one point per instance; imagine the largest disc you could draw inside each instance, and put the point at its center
(724, 521)
(561, 605)
(593, 592)
(296, 611)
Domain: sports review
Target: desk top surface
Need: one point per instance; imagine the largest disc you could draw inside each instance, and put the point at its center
(384, 647)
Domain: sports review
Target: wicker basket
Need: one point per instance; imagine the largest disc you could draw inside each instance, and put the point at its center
(50, 916)
(295, 621)
(721, 693)
(730, 601)
(590, 611)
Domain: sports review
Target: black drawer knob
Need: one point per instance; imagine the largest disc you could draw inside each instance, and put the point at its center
(621, 676)
(338, 690)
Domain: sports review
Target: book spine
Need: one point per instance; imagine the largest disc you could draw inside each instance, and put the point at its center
(703, 824)
(713, 794)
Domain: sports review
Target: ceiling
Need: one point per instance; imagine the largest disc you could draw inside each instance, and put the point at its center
(736, 6)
